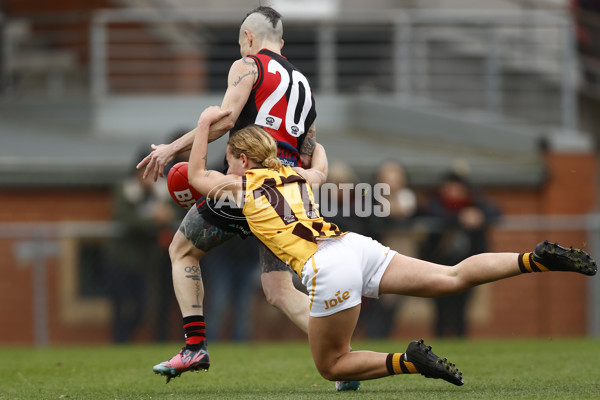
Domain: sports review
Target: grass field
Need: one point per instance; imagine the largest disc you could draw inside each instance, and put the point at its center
(532, 369)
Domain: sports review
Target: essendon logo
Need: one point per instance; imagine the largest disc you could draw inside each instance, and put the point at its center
(185, 198)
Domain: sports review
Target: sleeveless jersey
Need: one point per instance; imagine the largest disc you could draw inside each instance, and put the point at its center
(282, 103)
(281, 212)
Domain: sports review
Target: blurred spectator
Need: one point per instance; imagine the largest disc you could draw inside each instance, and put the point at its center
(339, 205)
(144, 214)
(586, 14)
(460, 219)
(232, 277)
(393, 231)
(403, 206)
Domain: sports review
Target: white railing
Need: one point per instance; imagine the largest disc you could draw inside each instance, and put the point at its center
(519, 64)
(511, 63)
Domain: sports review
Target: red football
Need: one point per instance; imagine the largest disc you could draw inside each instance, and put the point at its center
(180, 189)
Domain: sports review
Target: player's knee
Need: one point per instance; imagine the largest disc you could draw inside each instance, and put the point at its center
(274, 294)
(276, 287)
(327, 372)
(174, 248)
(181, 247)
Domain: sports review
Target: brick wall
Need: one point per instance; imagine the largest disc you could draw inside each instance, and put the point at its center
(16, 297)
(552, 304)
(531, 305)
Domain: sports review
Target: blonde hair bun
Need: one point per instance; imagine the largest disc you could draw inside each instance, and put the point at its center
(256, 144)
(272, 162)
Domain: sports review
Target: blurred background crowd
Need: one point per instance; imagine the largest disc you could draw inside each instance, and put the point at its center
(480, 116)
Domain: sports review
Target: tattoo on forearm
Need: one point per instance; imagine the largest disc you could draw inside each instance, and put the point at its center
(207, 173)
(308, 146)
(194, 274)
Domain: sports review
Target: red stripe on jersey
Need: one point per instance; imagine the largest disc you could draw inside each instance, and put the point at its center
(260, 71)
(281, 137)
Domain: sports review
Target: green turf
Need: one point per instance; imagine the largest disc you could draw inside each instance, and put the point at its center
(533, 369)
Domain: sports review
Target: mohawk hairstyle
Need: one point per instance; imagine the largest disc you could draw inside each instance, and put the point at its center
(273, 16)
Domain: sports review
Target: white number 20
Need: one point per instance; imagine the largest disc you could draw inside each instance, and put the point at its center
(294, 128)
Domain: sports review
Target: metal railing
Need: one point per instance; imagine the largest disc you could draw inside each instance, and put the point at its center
(511, 63)
(519, 64)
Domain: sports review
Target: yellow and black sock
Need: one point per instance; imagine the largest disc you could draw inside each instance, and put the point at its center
(527, 264)
(396, 364)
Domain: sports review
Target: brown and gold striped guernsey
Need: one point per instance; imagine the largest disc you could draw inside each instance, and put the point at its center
(281, 212)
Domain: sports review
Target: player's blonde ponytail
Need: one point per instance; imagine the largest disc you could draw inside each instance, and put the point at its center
(272, 162)
(256, 144)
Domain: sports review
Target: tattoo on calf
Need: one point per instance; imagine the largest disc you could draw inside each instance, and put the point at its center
(193, 272)
(198, 290)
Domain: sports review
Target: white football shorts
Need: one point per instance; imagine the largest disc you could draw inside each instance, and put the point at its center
(342, 270)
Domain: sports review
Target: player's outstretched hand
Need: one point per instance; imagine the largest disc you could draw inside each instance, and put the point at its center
(156, 161)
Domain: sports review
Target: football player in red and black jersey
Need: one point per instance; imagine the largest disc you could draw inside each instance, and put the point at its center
(264, 88)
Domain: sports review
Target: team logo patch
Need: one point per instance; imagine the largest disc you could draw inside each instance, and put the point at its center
(338, 299)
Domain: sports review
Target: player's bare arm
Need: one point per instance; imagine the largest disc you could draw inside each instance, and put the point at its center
(162, 154)
(242, 76)
(308, 146)
(317, 174)
(209, 182)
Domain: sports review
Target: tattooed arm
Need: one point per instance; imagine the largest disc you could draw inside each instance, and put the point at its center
(317, 173)
(308, 147)
(210, 183)
(242, 75)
